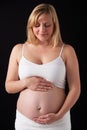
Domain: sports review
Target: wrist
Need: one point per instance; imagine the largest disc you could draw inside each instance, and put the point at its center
(24, 83)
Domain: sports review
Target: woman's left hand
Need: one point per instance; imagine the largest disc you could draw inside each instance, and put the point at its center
(46, 119)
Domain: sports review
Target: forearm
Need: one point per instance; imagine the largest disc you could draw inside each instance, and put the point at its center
(69, 102)
(15, 86)
(34, 83)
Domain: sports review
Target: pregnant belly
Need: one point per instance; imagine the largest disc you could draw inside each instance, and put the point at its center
(34, 103)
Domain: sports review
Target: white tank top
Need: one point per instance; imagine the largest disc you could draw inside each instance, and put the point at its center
(53, 71)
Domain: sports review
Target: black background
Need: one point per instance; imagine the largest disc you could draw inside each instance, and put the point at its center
(13, 20)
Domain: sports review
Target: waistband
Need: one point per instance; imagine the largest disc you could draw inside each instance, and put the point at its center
(22, 121)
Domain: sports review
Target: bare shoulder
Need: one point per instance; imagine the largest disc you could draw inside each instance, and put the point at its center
(69, 49)
(16, 51)
(17, 47)
(69, 53)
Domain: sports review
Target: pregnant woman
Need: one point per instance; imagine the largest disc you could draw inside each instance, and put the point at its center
(38, 70)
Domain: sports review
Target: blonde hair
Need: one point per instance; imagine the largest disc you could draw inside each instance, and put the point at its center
(33, 18)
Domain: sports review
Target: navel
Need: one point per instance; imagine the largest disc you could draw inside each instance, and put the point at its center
(38, 108)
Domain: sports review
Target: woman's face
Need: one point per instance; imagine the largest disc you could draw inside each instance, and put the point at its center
(43, 28)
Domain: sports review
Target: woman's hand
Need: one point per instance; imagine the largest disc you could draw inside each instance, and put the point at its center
(46, 119)
(38, 84)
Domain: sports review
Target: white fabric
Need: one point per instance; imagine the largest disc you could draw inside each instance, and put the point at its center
(23, 123)
(54, 71)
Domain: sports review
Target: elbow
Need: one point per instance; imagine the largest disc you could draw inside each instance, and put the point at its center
(78, 91)
(7, 88)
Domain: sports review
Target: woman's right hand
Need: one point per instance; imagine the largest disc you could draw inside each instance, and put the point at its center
(38, 84)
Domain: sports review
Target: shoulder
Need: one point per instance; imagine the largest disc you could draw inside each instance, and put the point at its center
(68, 49)
(16, 51)
(69, 52)
(17, 47)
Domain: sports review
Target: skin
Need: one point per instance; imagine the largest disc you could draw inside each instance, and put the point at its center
(42, 54)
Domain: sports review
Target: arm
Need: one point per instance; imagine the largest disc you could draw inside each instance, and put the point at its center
(73, 78)
(13, 84)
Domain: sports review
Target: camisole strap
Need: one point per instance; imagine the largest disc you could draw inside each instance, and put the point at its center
(61, 50)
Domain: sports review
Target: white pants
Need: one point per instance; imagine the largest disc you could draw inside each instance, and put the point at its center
(23, 123)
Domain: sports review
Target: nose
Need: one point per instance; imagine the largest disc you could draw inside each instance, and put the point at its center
(42, 28)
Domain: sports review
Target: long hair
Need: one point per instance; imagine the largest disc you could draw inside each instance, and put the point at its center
(33, 18)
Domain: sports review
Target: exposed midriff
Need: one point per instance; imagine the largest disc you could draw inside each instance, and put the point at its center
(35, 103)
